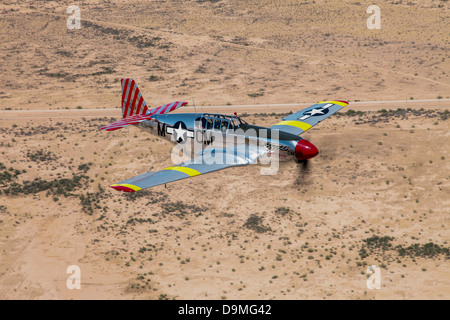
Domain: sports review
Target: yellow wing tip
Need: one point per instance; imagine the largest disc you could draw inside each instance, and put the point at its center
(339, 102)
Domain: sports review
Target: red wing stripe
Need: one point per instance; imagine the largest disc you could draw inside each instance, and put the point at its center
(109, 128)
(175, 106)
(155, 110)
(139, 117)
(160, 109)
(167, 108)
(126, 123)
(179, 105)
(163, 109)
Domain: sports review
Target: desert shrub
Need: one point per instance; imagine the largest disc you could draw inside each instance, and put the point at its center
(282, 211)
(254, 223)
(180, 209)
(90, 201)
(426, 251)
(58, 187)
(256, 94)
(41, 156)
(85, 167)
(378, 244)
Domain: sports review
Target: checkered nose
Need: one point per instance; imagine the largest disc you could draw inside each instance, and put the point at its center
(305, 150)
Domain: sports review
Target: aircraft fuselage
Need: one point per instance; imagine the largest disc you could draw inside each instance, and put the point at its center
(208, 129)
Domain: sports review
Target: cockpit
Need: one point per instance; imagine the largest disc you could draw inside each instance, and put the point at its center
(219, 122)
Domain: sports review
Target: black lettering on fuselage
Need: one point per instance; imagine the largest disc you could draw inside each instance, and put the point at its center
(161, 129)
(208, 138)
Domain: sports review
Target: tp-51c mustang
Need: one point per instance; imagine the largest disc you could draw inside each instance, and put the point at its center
(180, 128)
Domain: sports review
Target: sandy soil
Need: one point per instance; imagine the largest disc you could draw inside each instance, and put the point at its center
(383, 178)
(219, 52)
(235, 234)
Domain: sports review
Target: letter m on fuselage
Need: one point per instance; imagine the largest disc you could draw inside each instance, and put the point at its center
(161, 129)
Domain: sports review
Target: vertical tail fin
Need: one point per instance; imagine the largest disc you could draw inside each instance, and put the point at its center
(132, 99)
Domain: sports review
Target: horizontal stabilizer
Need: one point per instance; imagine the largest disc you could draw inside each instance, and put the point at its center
(128, 121)
(167, 108)
(136, 118)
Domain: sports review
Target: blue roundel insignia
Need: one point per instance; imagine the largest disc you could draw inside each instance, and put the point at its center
(316, 112)
(180, 124)
(179, 131)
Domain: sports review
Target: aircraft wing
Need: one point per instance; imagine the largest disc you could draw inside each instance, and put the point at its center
(210, 160)
(305, 119)
(136, 118)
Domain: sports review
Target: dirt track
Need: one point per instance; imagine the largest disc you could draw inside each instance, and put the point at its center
(250, 109)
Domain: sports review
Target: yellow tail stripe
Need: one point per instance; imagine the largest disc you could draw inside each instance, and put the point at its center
(135, 188)
(190, 172)
(335, 102)
(302, 125)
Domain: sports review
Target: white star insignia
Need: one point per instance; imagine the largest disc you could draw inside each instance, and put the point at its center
(316, 111)
(180, 132)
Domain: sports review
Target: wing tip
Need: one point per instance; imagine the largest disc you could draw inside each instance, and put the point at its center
(125, 187)
(340, 102)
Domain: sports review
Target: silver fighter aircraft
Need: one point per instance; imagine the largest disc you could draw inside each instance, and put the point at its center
(250, 143)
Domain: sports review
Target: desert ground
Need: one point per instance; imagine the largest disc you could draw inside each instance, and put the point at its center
(377, 193)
